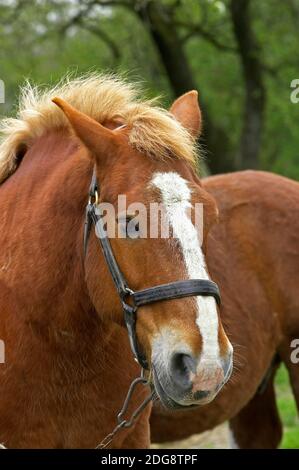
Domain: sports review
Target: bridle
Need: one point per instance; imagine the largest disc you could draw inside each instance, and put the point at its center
(131, 300)
(172, 290)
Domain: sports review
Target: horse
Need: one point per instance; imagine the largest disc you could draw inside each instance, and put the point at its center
(253, 254)
(68, 361)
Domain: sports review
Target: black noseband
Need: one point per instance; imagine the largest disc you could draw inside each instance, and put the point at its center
(132, 300)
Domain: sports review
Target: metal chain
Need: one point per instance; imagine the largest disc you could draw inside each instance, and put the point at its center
(127, 423)
(122, 422)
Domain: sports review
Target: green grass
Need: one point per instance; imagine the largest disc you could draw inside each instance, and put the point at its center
(287, 410)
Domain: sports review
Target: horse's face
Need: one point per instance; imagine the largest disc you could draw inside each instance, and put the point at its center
(183, 340)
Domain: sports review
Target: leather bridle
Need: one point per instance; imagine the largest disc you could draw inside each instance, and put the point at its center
(129, 298)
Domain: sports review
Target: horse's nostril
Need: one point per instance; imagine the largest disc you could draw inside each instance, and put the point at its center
(181, 366)
(201, 394)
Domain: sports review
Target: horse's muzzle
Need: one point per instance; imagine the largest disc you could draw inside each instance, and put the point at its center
(187, 382)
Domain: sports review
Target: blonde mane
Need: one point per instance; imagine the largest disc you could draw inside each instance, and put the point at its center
(153, 130)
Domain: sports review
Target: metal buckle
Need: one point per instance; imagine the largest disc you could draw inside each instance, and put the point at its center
(129, 309)
(130, 321)
(94, 198)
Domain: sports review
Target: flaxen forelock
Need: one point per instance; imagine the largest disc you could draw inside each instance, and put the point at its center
(153, 130)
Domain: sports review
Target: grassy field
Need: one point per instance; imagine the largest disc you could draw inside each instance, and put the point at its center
(287, 410)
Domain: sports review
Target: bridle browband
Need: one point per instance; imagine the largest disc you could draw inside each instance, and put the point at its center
(172, 290)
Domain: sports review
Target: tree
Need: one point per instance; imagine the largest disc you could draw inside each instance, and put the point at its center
(255, 93)
(232, 51)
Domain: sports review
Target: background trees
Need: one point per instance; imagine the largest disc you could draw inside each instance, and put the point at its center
(240, 54)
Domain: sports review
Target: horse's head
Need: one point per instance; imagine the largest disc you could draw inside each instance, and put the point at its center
(188, 352)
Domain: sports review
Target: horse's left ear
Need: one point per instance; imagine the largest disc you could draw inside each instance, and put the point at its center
(97, 138)
(186, 110)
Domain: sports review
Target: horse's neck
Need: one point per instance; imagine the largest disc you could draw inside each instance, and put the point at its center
(42, 217)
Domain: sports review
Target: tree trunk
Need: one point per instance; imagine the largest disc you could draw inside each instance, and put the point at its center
(255, 94)
(157, 19)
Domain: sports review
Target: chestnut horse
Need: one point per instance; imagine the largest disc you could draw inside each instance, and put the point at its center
(68, 363)
(254, 255)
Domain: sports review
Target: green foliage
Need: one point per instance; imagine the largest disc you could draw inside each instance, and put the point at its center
(44, 39)
(287, 410)
(51, 47)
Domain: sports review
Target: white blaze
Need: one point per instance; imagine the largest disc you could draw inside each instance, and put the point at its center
(176, 197)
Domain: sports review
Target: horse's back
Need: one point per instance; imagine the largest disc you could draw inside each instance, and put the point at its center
(259, 228)
(268, 190)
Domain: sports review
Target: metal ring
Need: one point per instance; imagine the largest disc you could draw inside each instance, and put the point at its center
(129, 291)
(94, 199)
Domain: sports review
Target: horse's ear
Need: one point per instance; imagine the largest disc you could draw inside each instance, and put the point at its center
(97, 138)
(186, 110)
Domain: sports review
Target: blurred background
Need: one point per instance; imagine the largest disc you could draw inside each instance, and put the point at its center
(241, 55)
